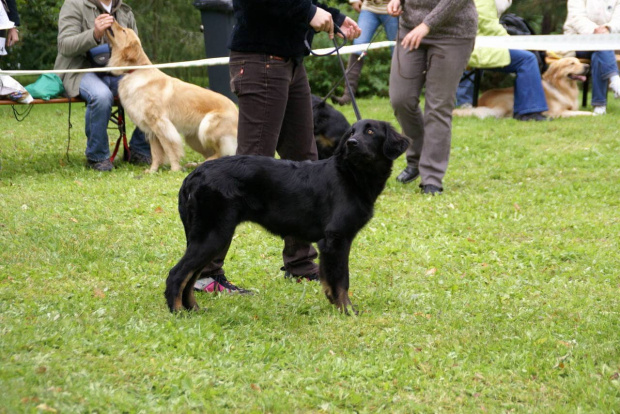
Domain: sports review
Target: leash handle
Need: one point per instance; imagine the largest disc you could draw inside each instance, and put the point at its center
(336, 46)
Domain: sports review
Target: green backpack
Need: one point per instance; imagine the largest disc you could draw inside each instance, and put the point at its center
(48, 86)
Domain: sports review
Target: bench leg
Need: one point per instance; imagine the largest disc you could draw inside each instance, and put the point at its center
(586, 86)
(118, 119)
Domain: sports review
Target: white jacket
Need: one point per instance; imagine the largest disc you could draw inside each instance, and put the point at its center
(586, 15)
(502, 6)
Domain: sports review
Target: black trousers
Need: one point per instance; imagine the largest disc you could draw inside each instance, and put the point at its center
(275, 115)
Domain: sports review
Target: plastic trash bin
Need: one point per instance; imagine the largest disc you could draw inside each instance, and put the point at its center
(217, 21)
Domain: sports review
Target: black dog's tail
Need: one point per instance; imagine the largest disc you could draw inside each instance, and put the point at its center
(185, 207)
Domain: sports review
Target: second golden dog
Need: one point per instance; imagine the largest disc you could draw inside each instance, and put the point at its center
(560, 86)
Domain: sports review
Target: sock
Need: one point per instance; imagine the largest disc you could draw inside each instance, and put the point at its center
(614, 85)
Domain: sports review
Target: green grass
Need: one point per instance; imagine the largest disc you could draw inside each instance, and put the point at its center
(502, 295)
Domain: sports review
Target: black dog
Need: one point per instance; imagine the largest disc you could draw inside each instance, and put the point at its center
(325, 201)
(329, 127)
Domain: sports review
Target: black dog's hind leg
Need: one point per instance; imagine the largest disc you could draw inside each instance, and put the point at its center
(180, 282)
(334, 271)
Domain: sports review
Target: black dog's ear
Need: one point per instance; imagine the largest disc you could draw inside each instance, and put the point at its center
(395, 144)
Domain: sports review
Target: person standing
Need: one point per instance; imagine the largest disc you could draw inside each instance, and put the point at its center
(11, 34)
(373, 13)
(601, 18)
(435, 40)
(82, 25)
(275, 109)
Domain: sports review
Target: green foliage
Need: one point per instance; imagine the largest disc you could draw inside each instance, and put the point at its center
(546, 16)
(173, 35)
(38, 32)
(500, 296)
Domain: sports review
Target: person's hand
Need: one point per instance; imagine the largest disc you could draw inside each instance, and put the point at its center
(394, 8)
(102, 23)
(601, 30)
(413, 39)
(12, 37)
(323, 22)
(357, 6)
(350, 29)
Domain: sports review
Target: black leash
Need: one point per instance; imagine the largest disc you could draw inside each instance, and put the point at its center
(359, 59)
(344, 71)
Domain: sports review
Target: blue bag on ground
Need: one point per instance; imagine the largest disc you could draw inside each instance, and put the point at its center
(48, 86)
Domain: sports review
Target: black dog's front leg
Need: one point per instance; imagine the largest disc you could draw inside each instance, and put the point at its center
(334, 270)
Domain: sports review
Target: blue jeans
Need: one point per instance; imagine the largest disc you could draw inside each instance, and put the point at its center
(602, 67)
(465, 90)
(529, 96)
(369, 22)
(98, 91)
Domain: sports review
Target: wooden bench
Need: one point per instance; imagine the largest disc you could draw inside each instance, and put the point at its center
(117, 118)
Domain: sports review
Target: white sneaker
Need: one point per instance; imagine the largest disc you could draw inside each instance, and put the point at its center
(599, 110)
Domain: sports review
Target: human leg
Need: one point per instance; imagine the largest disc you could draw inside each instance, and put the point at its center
(407, 77)
(296, 142)
(390, 25)
(529, 95)
(99, 99)
(261, 84)
(603, 69)
(447, 59)
(465, 90)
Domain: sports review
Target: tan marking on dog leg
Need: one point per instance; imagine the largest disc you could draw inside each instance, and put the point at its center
(344, 303)
(189, 300)
(178, 300)
(327, 290)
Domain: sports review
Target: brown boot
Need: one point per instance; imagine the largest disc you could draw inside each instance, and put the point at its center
(354, 68)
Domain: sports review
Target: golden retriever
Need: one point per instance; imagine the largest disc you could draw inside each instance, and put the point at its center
(165, 107)
(561, 91)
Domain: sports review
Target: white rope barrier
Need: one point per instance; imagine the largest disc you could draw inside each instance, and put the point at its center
(558, 43)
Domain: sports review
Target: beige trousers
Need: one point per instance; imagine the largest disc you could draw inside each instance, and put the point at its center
(436, 65)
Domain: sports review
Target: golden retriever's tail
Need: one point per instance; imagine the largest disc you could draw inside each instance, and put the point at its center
(221, 131)
(479, 112)
(228, 145)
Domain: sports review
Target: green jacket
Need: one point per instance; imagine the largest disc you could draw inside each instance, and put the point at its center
(76, 36)
(489, 25)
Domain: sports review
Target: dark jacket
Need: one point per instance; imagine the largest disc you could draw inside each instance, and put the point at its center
(275, 27)
(12, 11)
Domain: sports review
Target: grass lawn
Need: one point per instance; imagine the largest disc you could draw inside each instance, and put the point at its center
(502, 295)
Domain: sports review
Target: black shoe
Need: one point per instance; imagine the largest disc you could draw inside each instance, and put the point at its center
(217, 284)
(105, 165)
(534, 116)
(408, 174)
(312, 277)
(431, 189)
(140, 159)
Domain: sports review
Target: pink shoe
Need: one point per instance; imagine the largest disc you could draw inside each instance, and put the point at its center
(217, 284)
